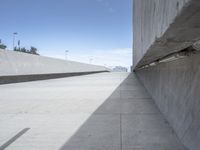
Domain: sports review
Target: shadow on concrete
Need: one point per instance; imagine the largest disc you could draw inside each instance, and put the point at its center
(103, 130)
(36, 77)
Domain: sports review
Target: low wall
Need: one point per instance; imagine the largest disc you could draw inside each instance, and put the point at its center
(175, 87)
(17, 67)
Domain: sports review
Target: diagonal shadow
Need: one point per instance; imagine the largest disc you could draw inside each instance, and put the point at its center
(101, 130)
(121, 122)
(14, 138)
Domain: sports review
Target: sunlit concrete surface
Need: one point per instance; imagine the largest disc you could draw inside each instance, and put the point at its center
(106, 111)
(15, 64)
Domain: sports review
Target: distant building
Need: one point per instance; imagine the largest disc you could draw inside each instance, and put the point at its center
(120, 69)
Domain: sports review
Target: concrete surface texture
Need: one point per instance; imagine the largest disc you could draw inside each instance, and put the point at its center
(175, 88)
(17, 63)
(162, 27)
(106, 111)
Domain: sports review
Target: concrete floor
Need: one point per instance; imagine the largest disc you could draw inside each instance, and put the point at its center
(106, 111)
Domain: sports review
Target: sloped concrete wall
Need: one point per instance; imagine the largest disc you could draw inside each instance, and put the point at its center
(163, 27)
(21, 64)
(175, 87)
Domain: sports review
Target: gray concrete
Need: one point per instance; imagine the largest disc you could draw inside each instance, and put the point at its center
(175, 88)
(17, 63)
(106, 111)
(162, 27)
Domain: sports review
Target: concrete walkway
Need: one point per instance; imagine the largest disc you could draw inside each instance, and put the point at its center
(106, 111)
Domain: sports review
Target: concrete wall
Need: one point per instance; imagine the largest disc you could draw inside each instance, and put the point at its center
(162, 27)
(26, 65)
(175, 87)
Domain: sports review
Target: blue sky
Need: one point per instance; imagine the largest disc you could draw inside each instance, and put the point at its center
(95, 31)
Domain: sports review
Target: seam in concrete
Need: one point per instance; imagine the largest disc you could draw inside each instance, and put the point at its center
(121, 146)
(121, 140)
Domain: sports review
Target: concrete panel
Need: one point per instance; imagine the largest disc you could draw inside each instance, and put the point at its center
(175, 88)
(162, 27)
(150, 132)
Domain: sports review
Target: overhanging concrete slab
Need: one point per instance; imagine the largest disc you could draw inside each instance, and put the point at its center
(164, 27)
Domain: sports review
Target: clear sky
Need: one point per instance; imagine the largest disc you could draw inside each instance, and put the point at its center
(94, 31)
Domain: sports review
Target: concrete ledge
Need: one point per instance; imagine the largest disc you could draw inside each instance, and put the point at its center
(35, 77)
(164, 27)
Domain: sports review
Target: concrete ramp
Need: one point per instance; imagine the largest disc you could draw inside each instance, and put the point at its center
(107, 111)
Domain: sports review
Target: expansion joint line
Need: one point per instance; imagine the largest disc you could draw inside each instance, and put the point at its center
(120, 114)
